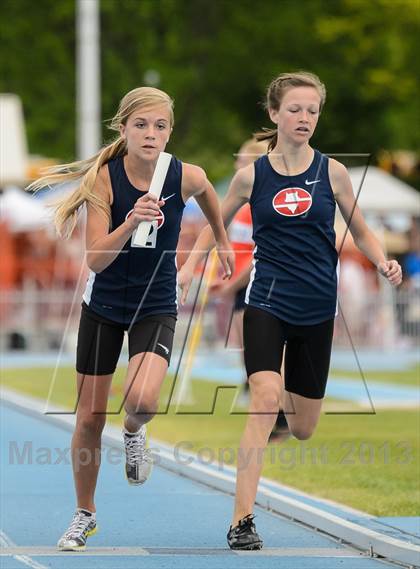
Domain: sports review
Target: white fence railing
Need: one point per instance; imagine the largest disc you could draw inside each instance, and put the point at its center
(42, 319)
(389, 318)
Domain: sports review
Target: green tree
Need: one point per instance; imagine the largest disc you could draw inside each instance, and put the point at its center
(37, 63)
(216, 58)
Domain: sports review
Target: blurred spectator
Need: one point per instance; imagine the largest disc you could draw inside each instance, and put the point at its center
(357, 286)
(408, 300)
(240, 235)
(9, 261)
(411, 262)
(193, 221)
(39, 273)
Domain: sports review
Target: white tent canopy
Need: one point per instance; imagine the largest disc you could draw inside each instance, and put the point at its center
(22, 212)
(382, 193)
(13, 145)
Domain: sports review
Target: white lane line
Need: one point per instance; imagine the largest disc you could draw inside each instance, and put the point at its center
(50, 551)
(7, 543)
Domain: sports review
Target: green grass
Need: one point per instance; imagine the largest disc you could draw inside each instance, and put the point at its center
(369, 462)
(408, 377)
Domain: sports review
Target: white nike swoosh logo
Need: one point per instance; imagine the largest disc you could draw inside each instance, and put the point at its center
(310, 183)
(164, 347)
(168, 197)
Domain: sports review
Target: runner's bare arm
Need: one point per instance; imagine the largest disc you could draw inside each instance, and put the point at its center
(235, 284)
(195, 183)
(238, 194)
(363, 237)
(102, 246)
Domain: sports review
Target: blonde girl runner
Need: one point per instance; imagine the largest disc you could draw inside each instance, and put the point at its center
(129, 288)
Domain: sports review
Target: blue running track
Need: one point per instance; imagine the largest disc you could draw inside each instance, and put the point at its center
(170, 522)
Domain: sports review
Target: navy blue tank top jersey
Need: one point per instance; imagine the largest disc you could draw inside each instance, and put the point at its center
(295, 260)
(141, 281)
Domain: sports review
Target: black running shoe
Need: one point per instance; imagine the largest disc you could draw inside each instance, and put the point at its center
(244, 535)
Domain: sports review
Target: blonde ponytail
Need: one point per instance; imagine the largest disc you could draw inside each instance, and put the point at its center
(66, 210)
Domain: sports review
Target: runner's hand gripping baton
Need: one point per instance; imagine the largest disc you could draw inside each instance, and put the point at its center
(156, 185)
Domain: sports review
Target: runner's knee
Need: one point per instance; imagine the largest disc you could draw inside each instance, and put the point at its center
(91, 424)
(144, 405)
(302, 432)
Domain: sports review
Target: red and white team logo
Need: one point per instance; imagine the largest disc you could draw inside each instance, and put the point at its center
(153, 233)
(292, 202)
(160, 219)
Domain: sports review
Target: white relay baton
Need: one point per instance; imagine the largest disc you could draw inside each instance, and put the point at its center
(159, 175)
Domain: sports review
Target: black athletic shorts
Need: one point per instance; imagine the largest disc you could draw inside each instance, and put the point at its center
(100, 340)
(307, 353)
(239, 303)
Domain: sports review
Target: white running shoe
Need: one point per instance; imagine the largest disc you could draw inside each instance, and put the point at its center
(139, 460)
(82, 526)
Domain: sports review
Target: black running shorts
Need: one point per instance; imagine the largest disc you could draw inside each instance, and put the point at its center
(100, 340)
(307, 353)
